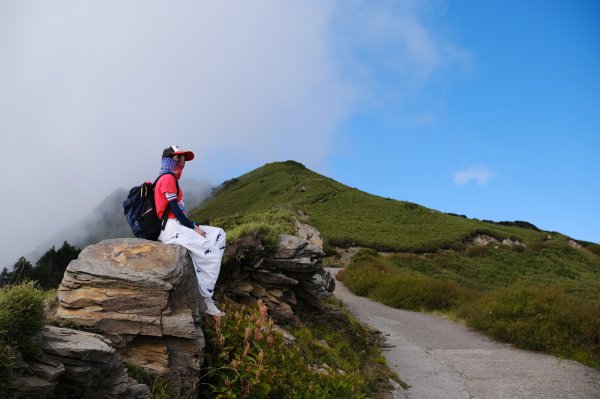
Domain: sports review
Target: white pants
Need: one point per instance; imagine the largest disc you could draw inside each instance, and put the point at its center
(206, 252)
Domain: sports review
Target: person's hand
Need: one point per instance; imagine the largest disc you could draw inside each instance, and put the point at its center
(198, 230)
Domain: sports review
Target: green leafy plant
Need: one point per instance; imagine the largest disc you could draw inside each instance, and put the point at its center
(22, 317)
(246, 357)
(236, 363)
(21, 320)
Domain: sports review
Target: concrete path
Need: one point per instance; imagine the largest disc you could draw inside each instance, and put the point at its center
(443, 359)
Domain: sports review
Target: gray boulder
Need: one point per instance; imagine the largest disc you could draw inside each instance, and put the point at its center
(76, 364)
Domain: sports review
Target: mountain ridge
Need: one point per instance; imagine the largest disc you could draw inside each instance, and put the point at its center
(348, 216)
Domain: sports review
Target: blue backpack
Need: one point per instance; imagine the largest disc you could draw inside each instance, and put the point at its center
(140, 211)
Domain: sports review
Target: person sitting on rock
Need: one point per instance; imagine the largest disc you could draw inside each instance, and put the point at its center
(205, 244)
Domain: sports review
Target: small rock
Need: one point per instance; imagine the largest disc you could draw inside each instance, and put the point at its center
(287, 336)
(287, 246)
(322, 343)
(308, 232)
(259, 291)
(276, 293)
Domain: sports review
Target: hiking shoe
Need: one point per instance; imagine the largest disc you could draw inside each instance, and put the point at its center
(211, 308)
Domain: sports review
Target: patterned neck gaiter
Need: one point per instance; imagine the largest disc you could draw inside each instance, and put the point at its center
(169, 165)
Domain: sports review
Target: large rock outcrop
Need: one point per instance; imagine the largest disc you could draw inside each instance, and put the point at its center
(76, 364)
(143, 296)
(292, 271)
(482, 240)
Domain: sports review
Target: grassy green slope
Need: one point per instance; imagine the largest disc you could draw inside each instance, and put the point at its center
(346, 215)
(544, 296)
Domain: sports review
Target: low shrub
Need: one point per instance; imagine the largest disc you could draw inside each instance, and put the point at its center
(330, 251)
(540, 317)
(478, 251)
(341, 242)
(236, 361)
(418, 293)
(375, 278)
(246, 357)
(22, 317)
(267, 225)
(334, 338)
(21, 320)
(594, 248)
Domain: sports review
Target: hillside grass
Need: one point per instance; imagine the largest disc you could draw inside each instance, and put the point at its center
(545, 300)
(349, 217)
(543, 295)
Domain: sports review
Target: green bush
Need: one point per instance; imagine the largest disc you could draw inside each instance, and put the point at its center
(21, 320)
(540, 317)
(236, 361)
(21, 317)
(335, 338)
(593, 248)
(267, 225)
(377, 279)
(478, 251)
(246, 357)
(330, 251)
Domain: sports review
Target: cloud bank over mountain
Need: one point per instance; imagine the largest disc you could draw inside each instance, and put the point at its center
(92, 92)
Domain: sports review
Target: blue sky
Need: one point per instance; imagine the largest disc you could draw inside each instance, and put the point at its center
(483, 108)
(522, 113)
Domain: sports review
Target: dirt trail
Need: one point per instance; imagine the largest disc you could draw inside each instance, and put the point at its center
(442, 359)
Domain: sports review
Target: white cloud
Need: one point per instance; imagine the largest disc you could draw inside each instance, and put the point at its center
(479, 174)
(93, 91)
(390, 48)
